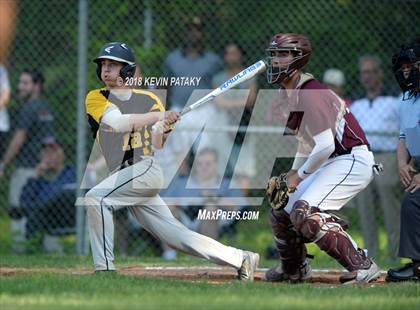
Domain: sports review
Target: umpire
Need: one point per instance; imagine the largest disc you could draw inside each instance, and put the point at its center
(406, 68)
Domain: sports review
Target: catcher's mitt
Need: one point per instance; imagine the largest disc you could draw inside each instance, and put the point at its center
(278, 192)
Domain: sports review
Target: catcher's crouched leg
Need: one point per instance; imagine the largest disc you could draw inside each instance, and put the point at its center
(291, 248)
(328, 234)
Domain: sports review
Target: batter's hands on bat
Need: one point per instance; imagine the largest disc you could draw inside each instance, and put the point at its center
(165, 124)
(406, 174)
(415, 184)
(161, 127)
(172, 117)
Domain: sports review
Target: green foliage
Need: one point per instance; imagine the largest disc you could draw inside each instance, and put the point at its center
(340, 30)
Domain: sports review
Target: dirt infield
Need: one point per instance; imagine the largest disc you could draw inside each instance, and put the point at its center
(209, 274)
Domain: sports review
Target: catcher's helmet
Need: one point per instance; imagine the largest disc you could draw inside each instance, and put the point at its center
(119, 52)
(296, 44)
(409, 54)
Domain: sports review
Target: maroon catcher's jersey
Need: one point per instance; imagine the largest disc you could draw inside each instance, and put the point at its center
(314, 108)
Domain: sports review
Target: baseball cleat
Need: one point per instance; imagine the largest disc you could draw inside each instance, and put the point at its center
(364, 275)
(277, 274)
(248, 267)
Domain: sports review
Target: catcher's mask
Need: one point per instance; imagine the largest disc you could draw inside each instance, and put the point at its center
(406, 68)
(283, 45)
(119, 52)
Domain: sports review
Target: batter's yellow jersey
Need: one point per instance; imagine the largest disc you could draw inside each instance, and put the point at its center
(118, 147)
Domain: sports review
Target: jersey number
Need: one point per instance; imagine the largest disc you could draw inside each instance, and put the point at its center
(135, 140)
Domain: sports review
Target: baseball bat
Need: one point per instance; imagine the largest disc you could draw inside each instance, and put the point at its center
(239, 78)
(244, 75)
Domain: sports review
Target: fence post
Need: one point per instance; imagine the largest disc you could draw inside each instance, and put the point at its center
(81, 234)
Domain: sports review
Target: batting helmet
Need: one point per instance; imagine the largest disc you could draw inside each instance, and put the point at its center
(409, 54)
(295, 44)
(119, 52)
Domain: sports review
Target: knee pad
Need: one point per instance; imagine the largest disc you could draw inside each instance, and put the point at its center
(299, 214)
(306, 220)
(282, 227)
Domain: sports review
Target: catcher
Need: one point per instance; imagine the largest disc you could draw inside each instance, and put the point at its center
(332, 164)
(121, 119)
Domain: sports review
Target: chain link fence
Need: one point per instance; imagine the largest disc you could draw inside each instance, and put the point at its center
(57, 40)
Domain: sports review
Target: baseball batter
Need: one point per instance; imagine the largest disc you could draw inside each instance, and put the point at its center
(332, 164)
(121, 119)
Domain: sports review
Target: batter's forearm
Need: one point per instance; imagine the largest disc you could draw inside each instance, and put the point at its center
(140, 120)
(127, 122)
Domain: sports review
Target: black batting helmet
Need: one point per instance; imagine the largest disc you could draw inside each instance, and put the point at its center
(408, 54)
(119, 52)
(296, 44)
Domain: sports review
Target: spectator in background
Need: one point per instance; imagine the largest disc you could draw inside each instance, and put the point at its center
(335, 80)
(377, 113)
(34, 123)
(191, 60)
(234, 108)
(202, 191)
(48, 197)
(4, 116)
(231, 109)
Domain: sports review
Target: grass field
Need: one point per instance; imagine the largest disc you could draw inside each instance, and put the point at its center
(66, 282)
(49, 289)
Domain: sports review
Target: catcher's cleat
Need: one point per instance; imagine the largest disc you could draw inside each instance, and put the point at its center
(248, 267)
(405, 273)
(277, 274)
(367, 273)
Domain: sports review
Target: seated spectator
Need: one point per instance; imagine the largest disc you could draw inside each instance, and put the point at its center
(34, 123)
(201, 192)
(48, 197)
(335, 80)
